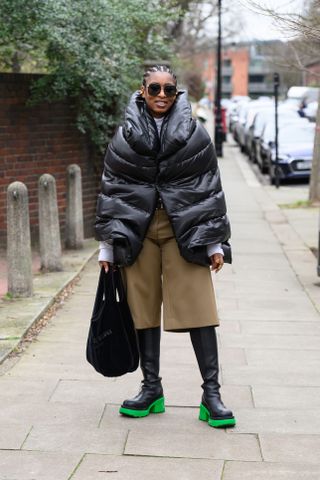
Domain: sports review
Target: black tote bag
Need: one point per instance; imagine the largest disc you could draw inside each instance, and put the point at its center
(112, 347)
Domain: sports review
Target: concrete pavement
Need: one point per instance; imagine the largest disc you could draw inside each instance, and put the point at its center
(59, 419)
(19, 315)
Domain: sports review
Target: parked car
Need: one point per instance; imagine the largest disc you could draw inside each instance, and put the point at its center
(311, 111)
(268, 134)
(296, 142)
(298, 94)
(235, 114)
(262, 117)
(248, 117)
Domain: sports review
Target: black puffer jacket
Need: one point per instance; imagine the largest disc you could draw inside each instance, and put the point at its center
(181, 167)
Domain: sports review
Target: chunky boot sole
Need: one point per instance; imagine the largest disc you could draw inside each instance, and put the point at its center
(156, 407)
(221, 422)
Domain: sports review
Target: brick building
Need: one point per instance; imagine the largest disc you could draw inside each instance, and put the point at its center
(246, 69)
(312, 74)
(42, 139)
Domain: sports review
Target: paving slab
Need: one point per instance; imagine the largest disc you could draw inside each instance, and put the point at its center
(54, 371)
(270, 471)
(57, 438)
(24, 389)
(19, 411)
(279, 328)
(294, 398)
(174, 419)
(231, 356)
(272, 420)
(23, 465)
(213, 443)
(275, 262)
(101, 390)
(12, 437)
(124, 467)
(302, 342)
(277, 357)
(300, 304)
(291, 448)
(269, 314)
(261, 247)
(261, 375)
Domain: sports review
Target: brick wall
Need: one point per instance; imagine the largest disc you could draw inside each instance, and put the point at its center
(42, 139)
(240, 66)
(205, 63)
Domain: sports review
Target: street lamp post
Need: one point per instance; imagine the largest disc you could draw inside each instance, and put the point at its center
(276, 81)
(218, 130)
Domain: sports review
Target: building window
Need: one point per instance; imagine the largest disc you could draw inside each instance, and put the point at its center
(256, 78)
(226, 79)
(226, 62)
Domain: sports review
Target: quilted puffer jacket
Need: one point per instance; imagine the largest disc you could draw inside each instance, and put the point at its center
(180, 167)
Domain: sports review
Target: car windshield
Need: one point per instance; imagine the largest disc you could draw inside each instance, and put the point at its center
(269, 133)
(250, 117)
(260, 120)
(243, 112)
(297, 134)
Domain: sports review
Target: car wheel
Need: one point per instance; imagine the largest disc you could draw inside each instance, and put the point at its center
(272, 180)
(253, 157)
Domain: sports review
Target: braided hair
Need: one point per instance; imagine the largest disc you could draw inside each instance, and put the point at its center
(158, 68)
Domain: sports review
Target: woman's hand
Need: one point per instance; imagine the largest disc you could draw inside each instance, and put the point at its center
(217, 262)
(105, 265)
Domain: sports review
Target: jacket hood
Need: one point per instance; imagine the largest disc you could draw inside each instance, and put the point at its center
(140, 130)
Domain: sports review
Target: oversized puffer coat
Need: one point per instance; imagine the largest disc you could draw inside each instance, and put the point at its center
(180, 167)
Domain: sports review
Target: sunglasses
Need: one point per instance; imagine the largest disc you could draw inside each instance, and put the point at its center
(155, 88)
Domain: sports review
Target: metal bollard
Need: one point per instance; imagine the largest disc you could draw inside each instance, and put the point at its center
(74, 214)
(49, 228)
(18, 241)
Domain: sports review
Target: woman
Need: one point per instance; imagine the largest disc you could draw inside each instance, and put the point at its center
(161, 216)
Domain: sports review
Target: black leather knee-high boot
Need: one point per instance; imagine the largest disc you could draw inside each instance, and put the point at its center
(212, 409)
(150, 398)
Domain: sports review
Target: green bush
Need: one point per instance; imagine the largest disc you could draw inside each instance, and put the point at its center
(91, 51)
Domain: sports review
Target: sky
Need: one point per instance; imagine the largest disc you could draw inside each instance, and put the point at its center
(261, 26)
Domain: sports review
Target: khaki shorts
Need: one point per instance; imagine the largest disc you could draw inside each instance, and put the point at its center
(160, 274)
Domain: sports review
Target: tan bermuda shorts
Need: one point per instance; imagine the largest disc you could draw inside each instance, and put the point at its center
(160, 274)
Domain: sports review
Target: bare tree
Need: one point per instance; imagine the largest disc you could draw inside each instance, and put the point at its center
(196, 33)
(195, 30)
(305, 27)
(314, 188)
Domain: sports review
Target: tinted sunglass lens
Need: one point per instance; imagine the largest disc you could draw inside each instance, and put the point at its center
(170, 90)
(154, 89)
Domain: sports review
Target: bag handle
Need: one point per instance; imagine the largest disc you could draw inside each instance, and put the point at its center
(100, 292)
(110, 285)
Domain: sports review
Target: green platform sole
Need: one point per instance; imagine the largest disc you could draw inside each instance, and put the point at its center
(155, 407)
(204, 415)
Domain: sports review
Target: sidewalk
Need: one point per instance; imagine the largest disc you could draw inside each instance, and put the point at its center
(59, 419)
(18, 315)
